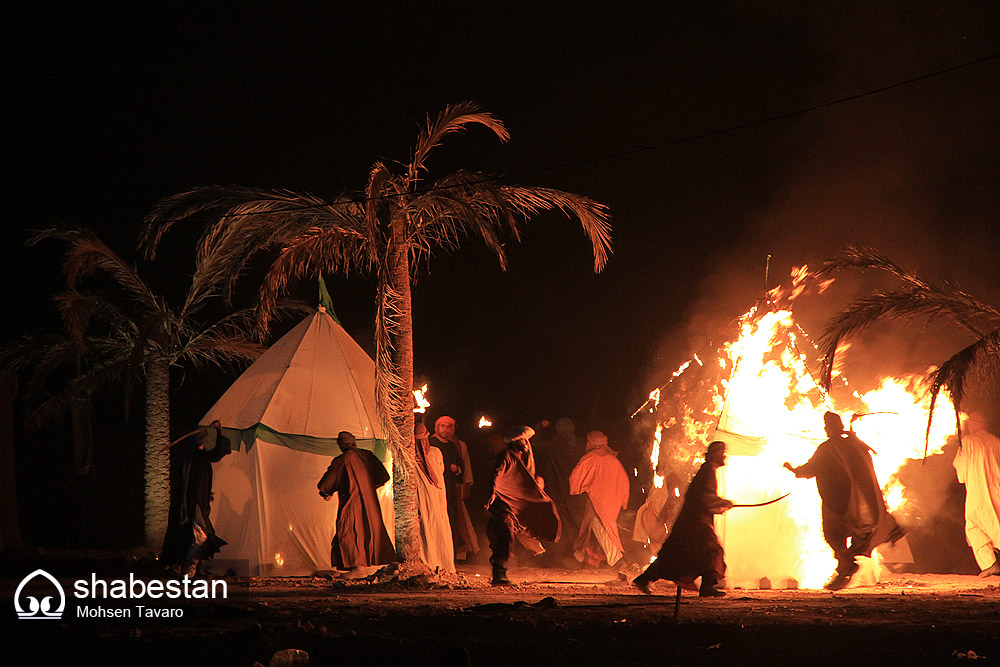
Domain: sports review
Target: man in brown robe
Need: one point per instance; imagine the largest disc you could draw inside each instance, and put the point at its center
(853, 504)
(517, 503)
(361, 539)
(692, 548)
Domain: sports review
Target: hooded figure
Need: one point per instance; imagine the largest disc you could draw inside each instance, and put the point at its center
(692, 548)
(190, 535)
(361, 539)
(600, 475)
(436, 549)
(853, 504)
(978, 466)
(517, 502)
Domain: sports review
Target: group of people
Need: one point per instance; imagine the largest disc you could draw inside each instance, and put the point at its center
(855, 519)
(518, 508)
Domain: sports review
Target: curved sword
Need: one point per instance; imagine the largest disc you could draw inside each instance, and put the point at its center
(764, 503)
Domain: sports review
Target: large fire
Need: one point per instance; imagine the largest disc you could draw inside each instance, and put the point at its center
(762, 399)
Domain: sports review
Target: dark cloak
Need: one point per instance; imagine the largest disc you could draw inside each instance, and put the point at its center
(551, 466)
(853, 503)
(518, 500)
(361, 538)
(692, 548)
(191, 490)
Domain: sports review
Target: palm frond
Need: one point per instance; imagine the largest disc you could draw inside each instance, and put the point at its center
(87, 254)
(315, 251)
(970, 360)
(379, 181)
(981, 358)
(185, 205)
(919, 302)
(54, 408)
(860, 257)
(265, 220)
(593, 216)
(454, 118)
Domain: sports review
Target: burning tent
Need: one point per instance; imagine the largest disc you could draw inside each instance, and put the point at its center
(283, 415)
(757, 391)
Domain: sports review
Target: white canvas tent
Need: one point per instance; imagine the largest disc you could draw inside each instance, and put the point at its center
(283, 414)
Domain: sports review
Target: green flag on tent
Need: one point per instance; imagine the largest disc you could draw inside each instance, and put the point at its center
(326, 301)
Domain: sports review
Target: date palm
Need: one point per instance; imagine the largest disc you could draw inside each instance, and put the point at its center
(400, 218)
(917, 299)
(120, 330)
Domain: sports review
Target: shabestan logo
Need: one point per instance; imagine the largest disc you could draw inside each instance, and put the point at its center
(39, 609)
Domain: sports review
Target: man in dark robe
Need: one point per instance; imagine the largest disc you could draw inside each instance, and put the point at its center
(853, 505)
(190, 535)
(458, 482)
(361, 539)
(517, 503)
(692, 548)
(556, 452)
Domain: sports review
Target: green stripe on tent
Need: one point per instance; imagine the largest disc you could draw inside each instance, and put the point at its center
(303, 443)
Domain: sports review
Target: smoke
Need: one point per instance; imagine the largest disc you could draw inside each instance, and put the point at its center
(907, 171)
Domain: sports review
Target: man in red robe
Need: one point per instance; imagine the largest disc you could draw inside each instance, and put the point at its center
(692, 548)
(853, 504)
(600, 475)
(361, 539)
(517, 503)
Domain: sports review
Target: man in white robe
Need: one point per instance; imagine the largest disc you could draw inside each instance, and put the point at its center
(978, 466)
(436, 548)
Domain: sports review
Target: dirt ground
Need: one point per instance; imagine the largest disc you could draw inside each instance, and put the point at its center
(550, 617)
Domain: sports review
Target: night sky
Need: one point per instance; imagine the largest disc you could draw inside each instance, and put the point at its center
(109, 110)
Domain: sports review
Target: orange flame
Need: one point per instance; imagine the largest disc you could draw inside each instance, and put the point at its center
(420, 400)
(768, 408)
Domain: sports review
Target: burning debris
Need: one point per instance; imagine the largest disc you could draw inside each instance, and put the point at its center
(757, 387)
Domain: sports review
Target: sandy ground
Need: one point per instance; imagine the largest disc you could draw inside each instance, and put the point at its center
(550, 617)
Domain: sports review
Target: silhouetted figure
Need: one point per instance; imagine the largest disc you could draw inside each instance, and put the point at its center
(517, 502)
(190, 535)
(853, 505)
(692, 548)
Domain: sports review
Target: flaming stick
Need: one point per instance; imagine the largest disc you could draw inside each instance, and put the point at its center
(420, 400)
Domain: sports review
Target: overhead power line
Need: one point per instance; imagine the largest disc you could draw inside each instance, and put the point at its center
(764, 121)
(664, 144)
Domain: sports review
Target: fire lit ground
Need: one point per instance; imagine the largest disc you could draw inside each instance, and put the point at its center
(551, 617)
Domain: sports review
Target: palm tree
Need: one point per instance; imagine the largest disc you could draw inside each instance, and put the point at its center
(916, 298)
(400, 218)
(130, 333)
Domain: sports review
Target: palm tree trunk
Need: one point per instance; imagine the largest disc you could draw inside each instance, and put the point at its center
(404, 474)
(157, 461)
